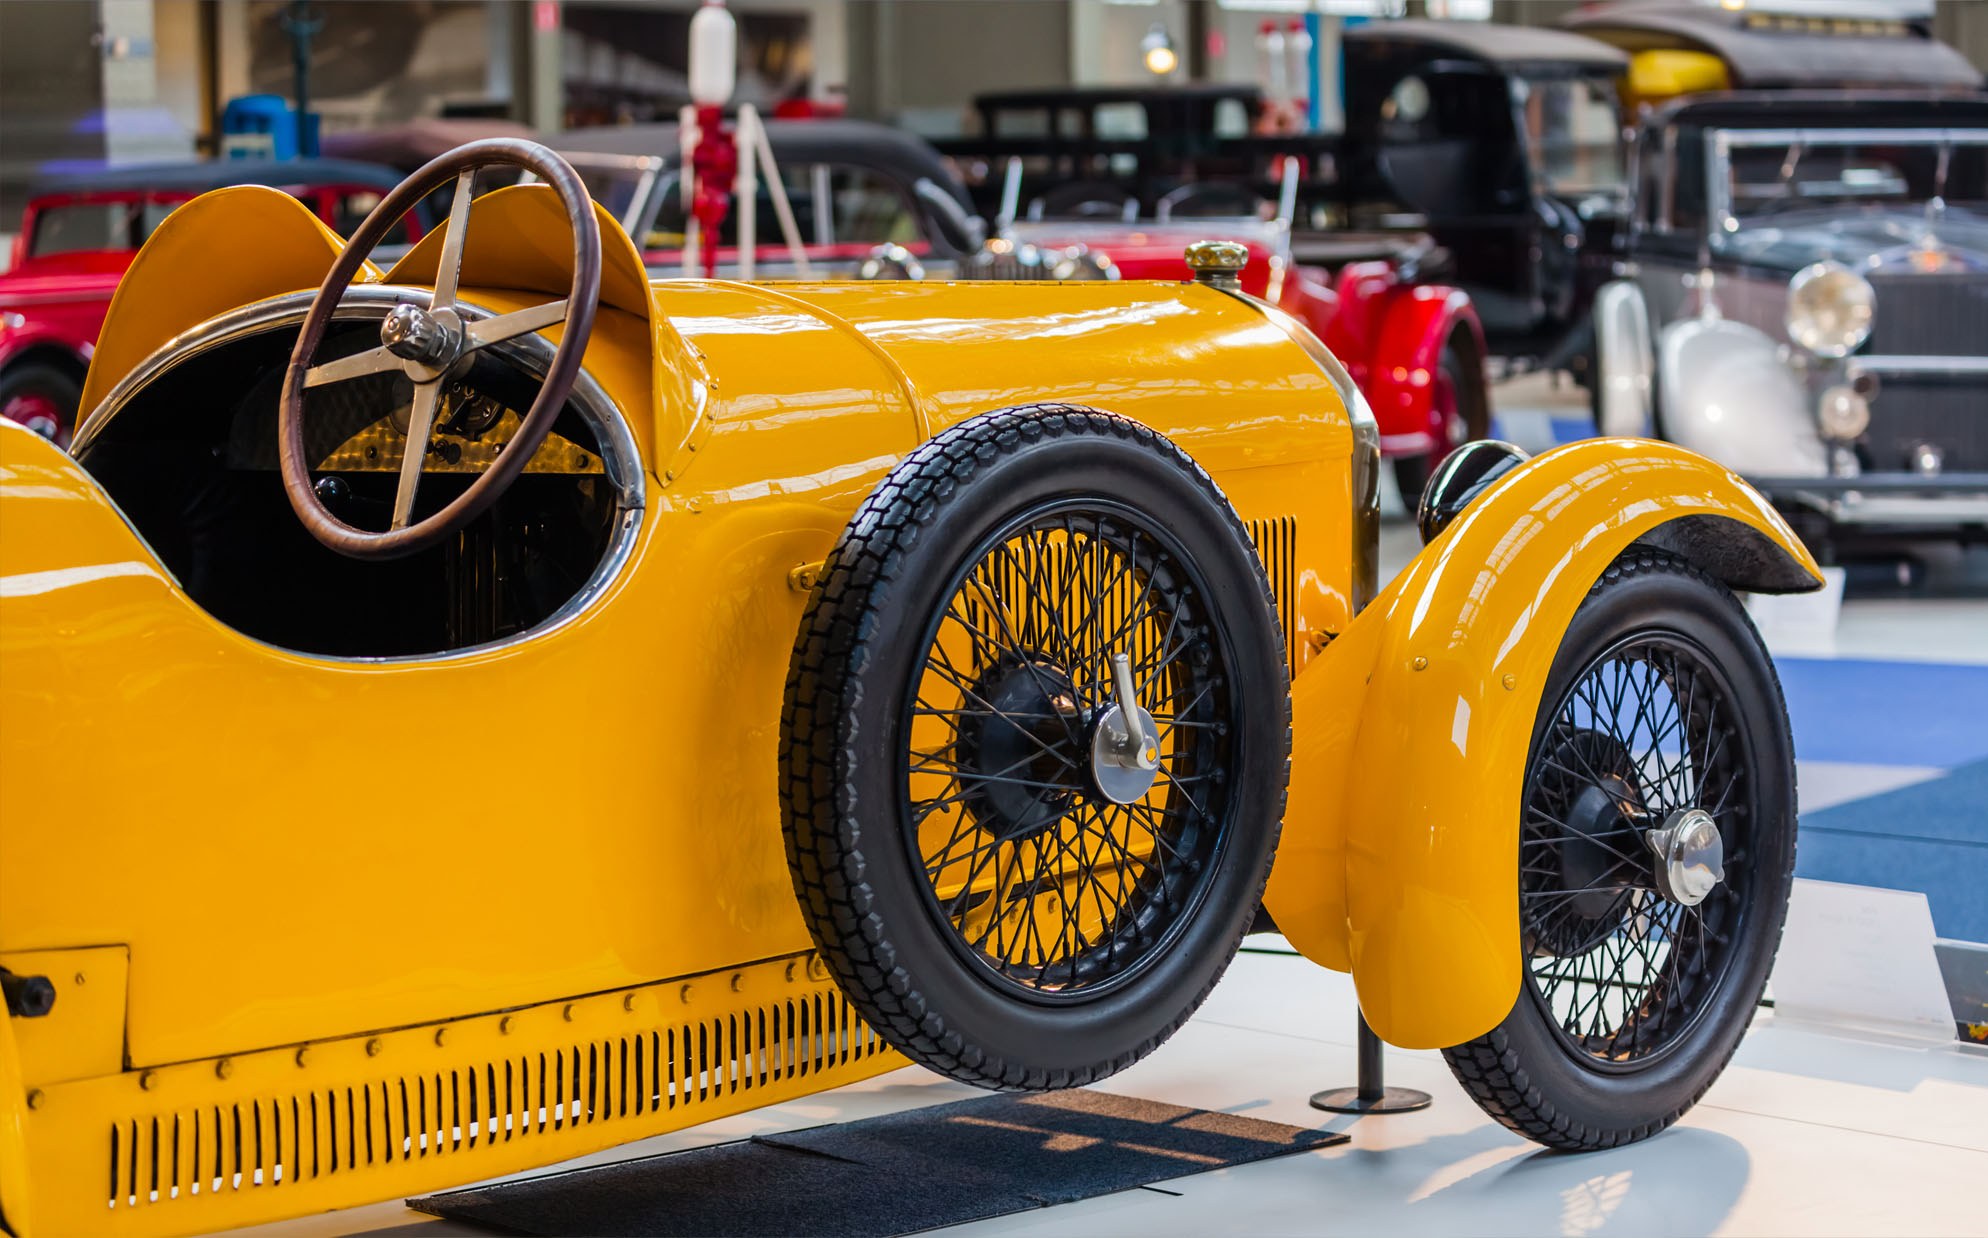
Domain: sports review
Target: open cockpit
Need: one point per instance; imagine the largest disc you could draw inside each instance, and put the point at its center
(187, 447)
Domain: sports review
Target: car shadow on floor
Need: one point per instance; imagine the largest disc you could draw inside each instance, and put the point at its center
(1685, 1180)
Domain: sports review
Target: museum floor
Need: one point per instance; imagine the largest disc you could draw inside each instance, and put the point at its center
(1812, 1131)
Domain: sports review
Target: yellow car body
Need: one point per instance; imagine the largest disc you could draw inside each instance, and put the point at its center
(324, 931)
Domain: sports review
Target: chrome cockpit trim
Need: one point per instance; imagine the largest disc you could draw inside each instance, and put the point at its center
(621, 458)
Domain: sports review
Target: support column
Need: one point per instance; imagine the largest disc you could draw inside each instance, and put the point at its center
(138, 127)
(544, 83)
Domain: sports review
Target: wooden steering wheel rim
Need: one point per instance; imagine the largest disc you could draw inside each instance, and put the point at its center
(581, 303)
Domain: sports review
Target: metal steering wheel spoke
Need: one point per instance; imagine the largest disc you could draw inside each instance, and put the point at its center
(448, 271)
(420, 425)
(496, 330)
(358, 365)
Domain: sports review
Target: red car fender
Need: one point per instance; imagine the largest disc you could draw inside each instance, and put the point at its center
(1307, 297)
(1362, 289)
(1398, 332)
(37, 337)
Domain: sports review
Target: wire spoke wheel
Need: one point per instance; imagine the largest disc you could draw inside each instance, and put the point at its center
(1035, 746)
(1656, 848)
(1047, 867)
(1646, 733)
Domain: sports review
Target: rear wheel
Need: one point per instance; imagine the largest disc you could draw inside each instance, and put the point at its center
(1460, 397)
(1013, 887)
(43, 398)
(1656, 851)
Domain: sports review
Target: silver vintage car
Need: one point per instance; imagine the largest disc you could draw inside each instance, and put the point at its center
(1805, 300)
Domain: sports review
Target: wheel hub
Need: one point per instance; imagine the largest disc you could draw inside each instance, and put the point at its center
(1587, 862)
(1584, 903)
(1018, 747)
(1690, 856)
(37, 412)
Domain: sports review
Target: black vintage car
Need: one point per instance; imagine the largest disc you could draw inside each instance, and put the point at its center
(1807, 303)
(1504, 144)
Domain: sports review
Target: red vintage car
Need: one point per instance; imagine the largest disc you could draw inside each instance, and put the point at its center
(870, 201)
(78, 235)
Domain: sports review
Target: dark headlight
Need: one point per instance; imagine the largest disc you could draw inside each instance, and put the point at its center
(1463, 475)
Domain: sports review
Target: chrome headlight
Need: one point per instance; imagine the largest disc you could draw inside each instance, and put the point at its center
(891, 262)
(1830, 308)
(1079, 262)
(1003, 258)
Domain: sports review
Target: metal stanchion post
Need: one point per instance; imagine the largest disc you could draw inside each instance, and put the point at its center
(1371, 1095)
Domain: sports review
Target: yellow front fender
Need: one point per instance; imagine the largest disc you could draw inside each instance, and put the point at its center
(1400, 851)
(13, 1134)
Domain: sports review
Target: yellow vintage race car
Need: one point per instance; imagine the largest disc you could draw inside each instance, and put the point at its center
(457, 717)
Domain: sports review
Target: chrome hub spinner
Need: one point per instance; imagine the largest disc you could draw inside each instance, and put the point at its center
(1691, 856)
(1125, 747)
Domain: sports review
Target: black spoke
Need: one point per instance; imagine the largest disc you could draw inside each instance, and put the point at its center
(1049, 882)
(1644, 733)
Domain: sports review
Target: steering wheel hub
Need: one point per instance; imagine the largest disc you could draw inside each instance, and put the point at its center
(413, 334)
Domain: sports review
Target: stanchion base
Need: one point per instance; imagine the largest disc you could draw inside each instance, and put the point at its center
(1391, 1100)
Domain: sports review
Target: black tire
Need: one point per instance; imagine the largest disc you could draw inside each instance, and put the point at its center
(872, 637)
(1587, 373)
(53, 394)
(1562, 1069)
(1411, 477)
(1463, 370)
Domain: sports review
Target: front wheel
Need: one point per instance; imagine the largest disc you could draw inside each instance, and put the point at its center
(43, 398)
(1656, 850)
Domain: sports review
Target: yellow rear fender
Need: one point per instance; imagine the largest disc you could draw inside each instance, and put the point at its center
(1401, 848)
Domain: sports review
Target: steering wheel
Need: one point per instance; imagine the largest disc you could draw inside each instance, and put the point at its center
(429, 345)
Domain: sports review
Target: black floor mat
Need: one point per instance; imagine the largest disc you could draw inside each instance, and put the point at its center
(899, 1174)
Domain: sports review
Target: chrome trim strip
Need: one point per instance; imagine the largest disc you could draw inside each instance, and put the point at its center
(1879, 134)
(1722, 142)
(1894, 363)
(621, 458)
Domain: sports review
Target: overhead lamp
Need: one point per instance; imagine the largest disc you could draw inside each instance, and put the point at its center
(1161, 59)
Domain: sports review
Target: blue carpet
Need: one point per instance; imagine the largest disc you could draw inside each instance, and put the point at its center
(1572, 429)
(1931, 837)
(1886, 713)
(1564, 429)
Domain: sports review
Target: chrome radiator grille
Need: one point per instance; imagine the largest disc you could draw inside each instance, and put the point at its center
(1930, 315)
(1948, 411)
